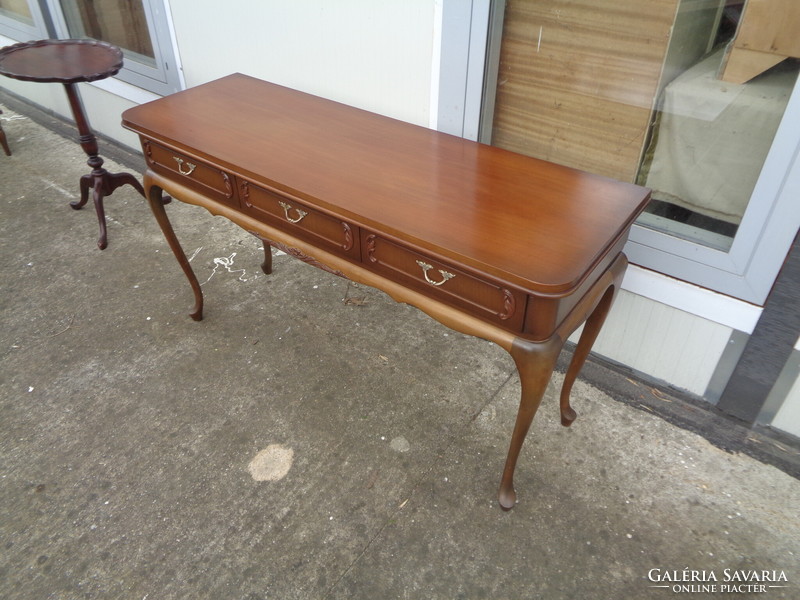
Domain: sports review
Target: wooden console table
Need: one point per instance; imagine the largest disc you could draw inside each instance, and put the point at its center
(70, 62)
(490, 243)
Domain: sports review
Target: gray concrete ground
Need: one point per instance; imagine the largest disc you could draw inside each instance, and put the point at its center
(313, 439)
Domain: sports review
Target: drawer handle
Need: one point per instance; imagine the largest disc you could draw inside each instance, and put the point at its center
(180, 166)
(287, 208)
(426, 267)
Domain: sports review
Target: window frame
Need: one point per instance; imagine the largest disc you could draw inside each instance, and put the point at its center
(162, 79)
(471, 33)
(770, 222)
(16, 30)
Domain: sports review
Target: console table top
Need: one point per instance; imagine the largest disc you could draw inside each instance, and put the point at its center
(534, 224)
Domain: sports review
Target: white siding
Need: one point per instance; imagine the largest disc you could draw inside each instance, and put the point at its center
(788, 417)
(374, 55)
(662, 342)
(48, 95)
(102, 108)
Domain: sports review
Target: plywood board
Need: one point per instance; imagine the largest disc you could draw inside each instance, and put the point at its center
(741, 65)
(770, 26)
(577, 80)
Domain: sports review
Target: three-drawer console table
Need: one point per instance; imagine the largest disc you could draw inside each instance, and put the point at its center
(488, 242)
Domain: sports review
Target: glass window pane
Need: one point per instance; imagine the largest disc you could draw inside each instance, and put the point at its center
(710, 138)
(17, 10)
(119, 22)
(651, 91)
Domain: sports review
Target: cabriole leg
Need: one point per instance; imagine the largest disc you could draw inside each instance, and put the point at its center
(589, 334)
(535, 363)
(154, 198)
(86, 183)
(266, 266)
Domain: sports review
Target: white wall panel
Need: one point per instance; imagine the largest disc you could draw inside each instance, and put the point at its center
(105, 120)
(788, 417)
(662, 342)
(374, 55)
(49, 95)
(108, 121)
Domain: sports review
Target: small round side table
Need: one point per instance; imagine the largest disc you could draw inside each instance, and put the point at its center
(70, 62)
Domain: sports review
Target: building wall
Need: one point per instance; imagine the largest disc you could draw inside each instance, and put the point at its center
(663, 342)
(374, 55)
(782, 409)
(788, 417)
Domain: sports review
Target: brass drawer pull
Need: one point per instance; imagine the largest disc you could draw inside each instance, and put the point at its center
(287, 208)
(180, 166)
(426, 267)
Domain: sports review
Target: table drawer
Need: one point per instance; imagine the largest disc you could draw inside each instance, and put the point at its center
(299, 219)
(190, 172)
(472, 292)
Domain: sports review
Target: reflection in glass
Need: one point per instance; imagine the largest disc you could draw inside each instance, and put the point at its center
(708, 143)
(683, 96)
(119, 22)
